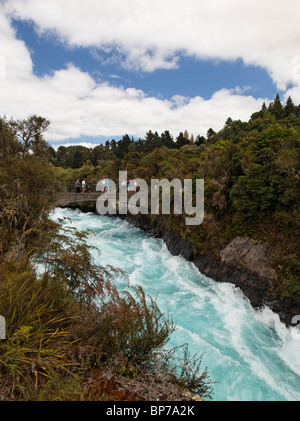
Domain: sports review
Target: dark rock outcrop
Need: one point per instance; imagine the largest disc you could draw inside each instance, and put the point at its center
(177, 245)
(242, 263)
(243, 252)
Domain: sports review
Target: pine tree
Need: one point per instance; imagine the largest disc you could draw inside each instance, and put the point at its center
(181, 140)
(277, 109)
(290, 107)
(167, 139)
(152, 141)
(263, 109)
(228, 122)
(210, 133)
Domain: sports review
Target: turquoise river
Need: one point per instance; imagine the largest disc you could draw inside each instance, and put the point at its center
(250, 354)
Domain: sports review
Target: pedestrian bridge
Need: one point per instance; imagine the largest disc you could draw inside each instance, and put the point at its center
(65, 199)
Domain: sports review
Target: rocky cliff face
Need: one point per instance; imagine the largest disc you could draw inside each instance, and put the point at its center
(243, 252)
(242, 263)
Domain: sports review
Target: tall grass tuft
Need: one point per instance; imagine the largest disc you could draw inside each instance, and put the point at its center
(37, 329)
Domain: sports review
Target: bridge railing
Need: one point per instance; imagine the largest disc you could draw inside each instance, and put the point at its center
(71, 188)
(90, 188)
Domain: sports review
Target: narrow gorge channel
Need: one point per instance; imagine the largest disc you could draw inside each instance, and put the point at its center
(250, 354)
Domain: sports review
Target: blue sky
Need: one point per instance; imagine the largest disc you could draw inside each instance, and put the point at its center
(192, 77)
(100, 69)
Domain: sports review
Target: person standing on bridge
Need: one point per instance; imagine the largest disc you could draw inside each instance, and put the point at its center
(77, 184)
(83, 186)
(90, 185)
(123, 185)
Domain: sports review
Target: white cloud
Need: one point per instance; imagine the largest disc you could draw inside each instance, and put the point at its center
(149, 34)
(79, 106)
(86, 144)
(15, 56)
